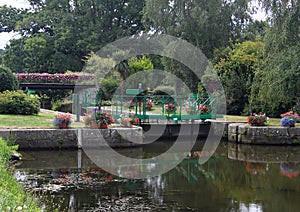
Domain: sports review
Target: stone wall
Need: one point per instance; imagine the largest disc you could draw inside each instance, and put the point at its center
(72, 138)
(277, 135)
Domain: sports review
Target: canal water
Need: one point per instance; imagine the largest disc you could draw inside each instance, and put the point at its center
(235, 178)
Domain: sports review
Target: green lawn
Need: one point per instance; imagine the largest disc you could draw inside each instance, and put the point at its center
(271, 122)
(42, 120)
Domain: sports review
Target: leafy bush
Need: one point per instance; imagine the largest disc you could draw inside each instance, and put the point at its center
(108, 88)
(62, 106)
(164, 90)
(48, 97)
(7, 80)
(17, 102)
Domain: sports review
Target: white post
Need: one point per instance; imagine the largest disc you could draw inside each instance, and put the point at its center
(79, 138)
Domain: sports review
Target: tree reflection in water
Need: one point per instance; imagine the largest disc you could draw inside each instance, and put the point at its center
(237, 178)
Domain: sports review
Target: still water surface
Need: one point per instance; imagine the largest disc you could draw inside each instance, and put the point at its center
(236, 178)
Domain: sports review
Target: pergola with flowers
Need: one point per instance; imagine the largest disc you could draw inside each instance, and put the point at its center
(44, 81)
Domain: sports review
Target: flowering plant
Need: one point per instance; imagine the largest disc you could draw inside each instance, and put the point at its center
(289, 119)
(128, 120)
(62, 120)
(134, 120)
(149, 106)
(98, 119)
(257, 119)
(170, 108)
(52, 78)
(204, 109)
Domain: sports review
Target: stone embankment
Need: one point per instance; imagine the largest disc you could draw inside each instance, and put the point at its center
(266, 135)
(73, 138)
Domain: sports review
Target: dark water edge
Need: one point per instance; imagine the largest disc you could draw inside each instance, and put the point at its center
(236, 178)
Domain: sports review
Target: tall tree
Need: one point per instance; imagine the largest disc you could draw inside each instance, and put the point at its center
(72, 29)
(276, 87)
(208, 25)
(236, 67)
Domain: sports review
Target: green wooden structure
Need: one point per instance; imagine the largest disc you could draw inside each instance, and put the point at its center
(164, 107)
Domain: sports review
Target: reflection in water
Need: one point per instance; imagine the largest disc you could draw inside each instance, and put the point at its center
(221, 184)
(290, 170)
(257, 168)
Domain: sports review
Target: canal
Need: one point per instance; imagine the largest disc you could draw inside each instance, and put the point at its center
(235, 178)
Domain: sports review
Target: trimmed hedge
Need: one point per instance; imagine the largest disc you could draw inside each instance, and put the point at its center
(17, 102)
(7, 80)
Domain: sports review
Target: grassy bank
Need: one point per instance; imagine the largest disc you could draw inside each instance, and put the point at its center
(12, 195)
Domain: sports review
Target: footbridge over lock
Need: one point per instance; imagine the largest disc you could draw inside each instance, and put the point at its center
(159, 108)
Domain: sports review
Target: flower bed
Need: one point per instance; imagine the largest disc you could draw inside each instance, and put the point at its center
(53, 78)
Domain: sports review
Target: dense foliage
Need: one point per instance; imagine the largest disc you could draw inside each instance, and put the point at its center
(257, 61)
(236, 66)
(7, 80)
(17, 102)
(57, 34)
(276, 86)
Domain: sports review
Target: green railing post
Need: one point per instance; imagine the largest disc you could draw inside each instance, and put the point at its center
(180, 106)
(121, 103)
(76, 106)
(117, 112)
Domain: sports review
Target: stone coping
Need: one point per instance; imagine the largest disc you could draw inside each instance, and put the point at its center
(266, 135)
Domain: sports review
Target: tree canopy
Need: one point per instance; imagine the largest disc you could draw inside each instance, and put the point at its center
(257, 61)
(58, 34)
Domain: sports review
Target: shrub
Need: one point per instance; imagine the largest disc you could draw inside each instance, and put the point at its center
(7, 80)
(164, 90)
(62, 106)
(108, 88)
(17, 102)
